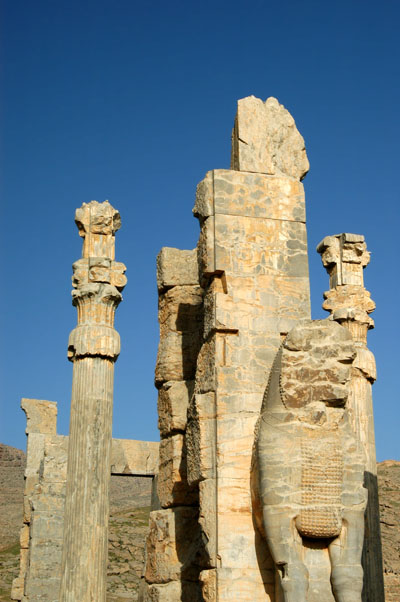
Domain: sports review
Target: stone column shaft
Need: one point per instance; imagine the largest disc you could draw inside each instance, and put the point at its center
(88, 478)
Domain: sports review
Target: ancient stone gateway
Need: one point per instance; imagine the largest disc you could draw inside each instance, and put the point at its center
(263, 500)
(266, 487)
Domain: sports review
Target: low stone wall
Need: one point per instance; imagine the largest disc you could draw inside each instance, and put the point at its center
(44, 497)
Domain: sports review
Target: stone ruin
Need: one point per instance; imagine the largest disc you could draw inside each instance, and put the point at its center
(264, 481)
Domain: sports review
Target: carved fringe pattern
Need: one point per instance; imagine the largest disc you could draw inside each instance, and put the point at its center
(321, 484)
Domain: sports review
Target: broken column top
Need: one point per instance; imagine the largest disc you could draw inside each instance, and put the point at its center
(265, 139)
(344, 256)
(97, 224)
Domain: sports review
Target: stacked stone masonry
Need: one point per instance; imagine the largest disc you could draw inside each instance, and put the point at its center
(174, 540)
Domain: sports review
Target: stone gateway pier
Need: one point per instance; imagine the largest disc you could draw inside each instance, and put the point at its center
(264, 480)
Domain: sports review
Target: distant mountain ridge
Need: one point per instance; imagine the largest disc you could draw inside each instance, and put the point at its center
(130, 501)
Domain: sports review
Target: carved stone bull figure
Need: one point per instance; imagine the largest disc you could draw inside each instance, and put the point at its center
(309, 466)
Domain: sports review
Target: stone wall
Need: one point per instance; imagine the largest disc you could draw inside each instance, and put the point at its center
(44, 497)
(174, 540)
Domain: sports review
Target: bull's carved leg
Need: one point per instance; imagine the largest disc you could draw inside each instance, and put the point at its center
(286, 548)
(345, 555)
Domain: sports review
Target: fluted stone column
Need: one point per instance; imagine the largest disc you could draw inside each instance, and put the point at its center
(345, 256)
(93, 348)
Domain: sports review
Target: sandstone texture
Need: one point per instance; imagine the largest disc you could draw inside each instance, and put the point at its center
(12, 466)
(389, 503)
(265, 139)
(176, 268)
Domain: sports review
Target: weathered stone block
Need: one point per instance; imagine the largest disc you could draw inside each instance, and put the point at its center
(173, 402)
(41, 416)
(24, 537)
(180, 317)
(246, 246)
(201, 437)
(265, 139)
(176, 267)
(34, 456)
(239, 543)
(175, 591)
(208, 580)
(230, 192)
(46, 529)
(129, 456)
(235, 437)
(17, 591)
(205, 371)
(54, 464)
(206, 250)
(173, 544)
(246, 585)
(173, 488)
(208, 520)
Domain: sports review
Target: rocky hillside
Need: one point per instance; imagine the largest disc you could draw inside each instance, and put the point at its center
(130, 500)
(12, 465)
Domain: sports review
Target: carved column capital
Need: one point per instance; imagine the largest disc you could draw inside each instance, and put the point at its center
(97, 224)
(344, 256)
(98, 281)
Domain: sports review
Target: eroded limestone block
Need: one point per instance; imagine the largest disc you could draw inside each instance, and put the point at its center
(208, 580)
(224, 191)
(309, 461)
(54, 465)
(173, 402)
(175, 591)
(129, 456)
(176, 267)
(97, 224)
(344, 256)
(173, 488)
(201, 437)
(265, 139)
(173, 545)
(247, 585)
(180, 317)
(208, 520)
(41, 416)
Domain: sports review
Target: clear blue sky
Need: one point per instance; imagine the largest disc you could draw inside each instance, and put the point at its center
(133, 102)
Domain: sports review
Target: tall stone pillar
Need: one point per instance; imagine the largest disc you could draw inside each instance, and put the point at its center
(93, 348)
(253, 267)
(345, 256)
(224, 310)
